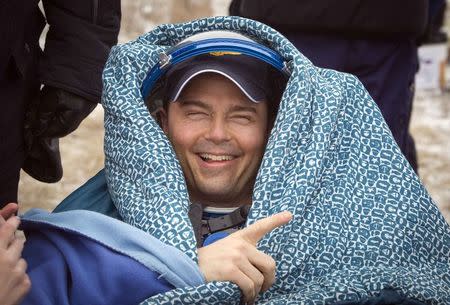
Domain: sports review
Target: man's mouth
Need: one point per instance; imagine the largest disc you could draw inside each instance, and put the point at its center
(216, 158)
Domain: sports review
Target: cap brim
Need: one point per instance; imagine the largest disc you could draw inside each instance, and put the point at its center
(248, 74)
(254, 97)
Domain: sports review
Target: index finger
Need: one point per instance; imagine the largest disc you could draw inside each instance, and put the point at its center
(256, 231)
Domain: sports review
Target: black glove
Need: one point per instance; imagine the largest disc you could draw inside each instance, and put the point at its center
(59, 113)
(56, 114)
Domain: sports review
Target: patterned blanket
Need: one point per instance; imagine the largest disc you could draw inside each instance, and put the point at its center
(363, 222)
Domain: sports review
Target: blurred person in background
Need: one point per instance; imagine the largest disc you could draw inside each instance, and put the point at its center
(436, 16)
(374, 40)
(69, 69)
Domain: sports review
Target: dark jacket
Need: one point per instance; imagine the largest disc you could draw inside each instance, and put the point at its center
(80, 36)
(362, 19)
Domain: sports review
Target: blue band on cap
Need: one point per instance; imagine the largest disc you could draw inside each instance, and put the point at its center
(188, 50)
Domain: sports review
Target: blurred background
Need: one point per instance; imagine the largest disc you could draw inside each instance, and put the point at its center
(82, 151)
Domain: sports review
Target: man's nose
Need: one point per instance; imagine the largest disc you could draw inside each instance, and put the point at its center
(218, 131)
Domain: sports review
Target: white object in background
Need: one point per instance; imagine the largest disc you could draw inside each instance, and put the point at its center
(432, 61)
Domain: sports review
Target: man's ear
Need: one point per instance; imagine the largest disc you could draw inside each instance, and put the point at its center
(163, 119)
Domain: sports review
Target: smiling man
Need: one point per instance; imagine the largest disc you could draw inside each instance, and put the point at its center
(218, 112)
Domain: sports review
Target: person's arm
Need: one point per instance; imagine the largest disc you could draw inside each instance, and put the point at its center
(382, 18)
(80, 36)
(77, 45)
(15, 283)
(236, 258)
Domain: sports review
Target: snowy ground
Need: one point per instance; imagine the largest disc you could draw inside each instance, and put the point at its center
(430, 127)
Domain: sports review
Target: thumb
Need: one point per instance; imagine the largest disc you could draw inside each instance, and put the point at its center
(9, 210)
(256, 231)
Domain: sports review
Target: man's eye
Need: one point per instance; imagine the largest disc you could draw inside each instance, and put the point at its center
(196, 115)
(242, 119)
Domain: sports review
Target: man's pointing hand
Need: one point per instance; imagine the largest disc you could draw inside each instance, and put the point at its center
(236, 259)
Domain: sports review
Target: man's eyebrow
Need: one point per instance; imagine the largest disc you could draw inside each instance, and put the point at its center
(233, 108)
(239, 108)
(194, 103)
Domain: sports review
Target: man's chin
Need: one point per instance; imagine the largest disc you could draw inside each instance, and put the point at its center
(219, 191)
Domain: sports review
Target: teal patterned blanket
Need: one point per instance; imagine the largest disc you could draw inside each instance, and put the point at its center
(363, 222)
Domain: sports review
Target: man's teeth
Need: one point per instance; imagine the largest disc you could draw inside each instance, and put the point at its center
(216, 157)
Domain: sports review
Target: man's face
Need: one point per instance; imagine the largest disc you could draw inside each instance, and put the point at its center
(219, 136)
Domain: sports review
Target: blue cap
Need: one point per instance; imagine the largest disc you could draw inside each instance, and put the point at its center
(249, 74)
(242, 60)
